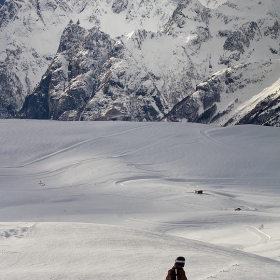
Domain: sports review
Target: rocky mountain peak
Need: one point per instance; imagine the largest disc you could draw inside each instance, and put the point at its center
(136, 60)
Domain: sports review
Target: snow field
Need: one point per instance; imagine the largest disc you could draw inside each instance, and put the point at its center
(84, 200)
(87, 251)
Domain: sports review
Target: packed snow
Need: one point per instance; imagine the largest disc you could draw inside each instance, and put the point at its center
(116, 200)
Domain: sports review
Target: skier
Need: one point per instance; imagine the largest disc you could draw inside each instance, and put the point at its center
(177, 272)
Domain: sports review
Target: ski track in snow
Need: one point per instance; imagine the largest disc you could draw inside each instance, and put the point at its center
(71, 147)
(123, 193)
(47, 252)
(206, 135)
(263, 237)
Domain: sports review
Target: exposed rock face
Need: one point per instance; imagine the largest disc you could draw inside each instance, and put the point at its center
(266, 112)
(273, 31)
(90, 79)
(9, 11)
(72, 77)
(30, 32)
(238, 41)
(119, 6)
(10, 92)
(228, 97)
(123, 95)
(188, 11)
(158, 60)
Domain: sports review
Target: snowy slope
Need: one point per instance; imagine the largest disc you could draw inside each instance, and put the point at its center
(89, 251)
(267, 99)
(76, 196)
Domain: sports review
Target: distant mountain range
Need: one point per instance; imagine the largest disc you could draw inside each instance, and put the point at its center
(214, 62)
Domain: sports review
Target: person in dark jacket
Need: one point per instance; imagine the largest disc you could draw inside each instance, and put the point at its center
(177, 272)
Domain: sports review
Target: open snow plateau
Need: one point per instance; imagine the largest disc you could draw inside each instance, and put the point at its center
(116, 200)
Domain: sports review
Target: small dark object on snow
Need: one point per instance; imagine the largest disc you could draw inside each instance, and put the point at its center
(198, 191)
(237, 209)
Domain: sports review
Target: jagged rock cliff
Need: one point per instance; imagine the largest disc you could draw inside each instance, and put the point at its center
(171, 60)
(30, 32)
(90, 79)
(229, 97)
(72, 78)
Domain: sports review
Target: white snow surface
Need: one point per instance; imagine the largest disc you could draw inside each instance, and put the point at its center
(115, 200)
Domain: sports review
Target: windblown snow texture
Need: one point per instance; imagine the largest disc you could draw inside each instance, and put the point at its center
(78, 195)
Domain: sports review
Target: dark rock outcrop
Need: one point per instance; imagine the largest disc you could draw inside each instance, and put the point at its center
(212, 101)
(119, 6)
(72, 77)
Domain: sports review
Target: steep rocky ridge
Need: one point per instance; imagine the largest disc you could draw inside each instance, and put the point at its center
(160, 56)
(72, 77)
(126, 92)
(242, 38)
(229, 97)
(30, 32)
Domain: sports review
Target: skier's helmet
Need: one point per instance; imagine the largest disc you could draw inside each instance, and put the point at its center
(180, 261)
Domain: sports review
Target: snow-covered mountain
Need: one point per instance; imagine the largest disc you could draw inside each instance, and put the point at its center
(213, 102)
(30, 32)
(201, 61)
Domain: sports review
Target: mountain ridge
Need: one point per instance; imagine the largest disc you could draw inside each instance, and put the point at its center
(148, 72)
